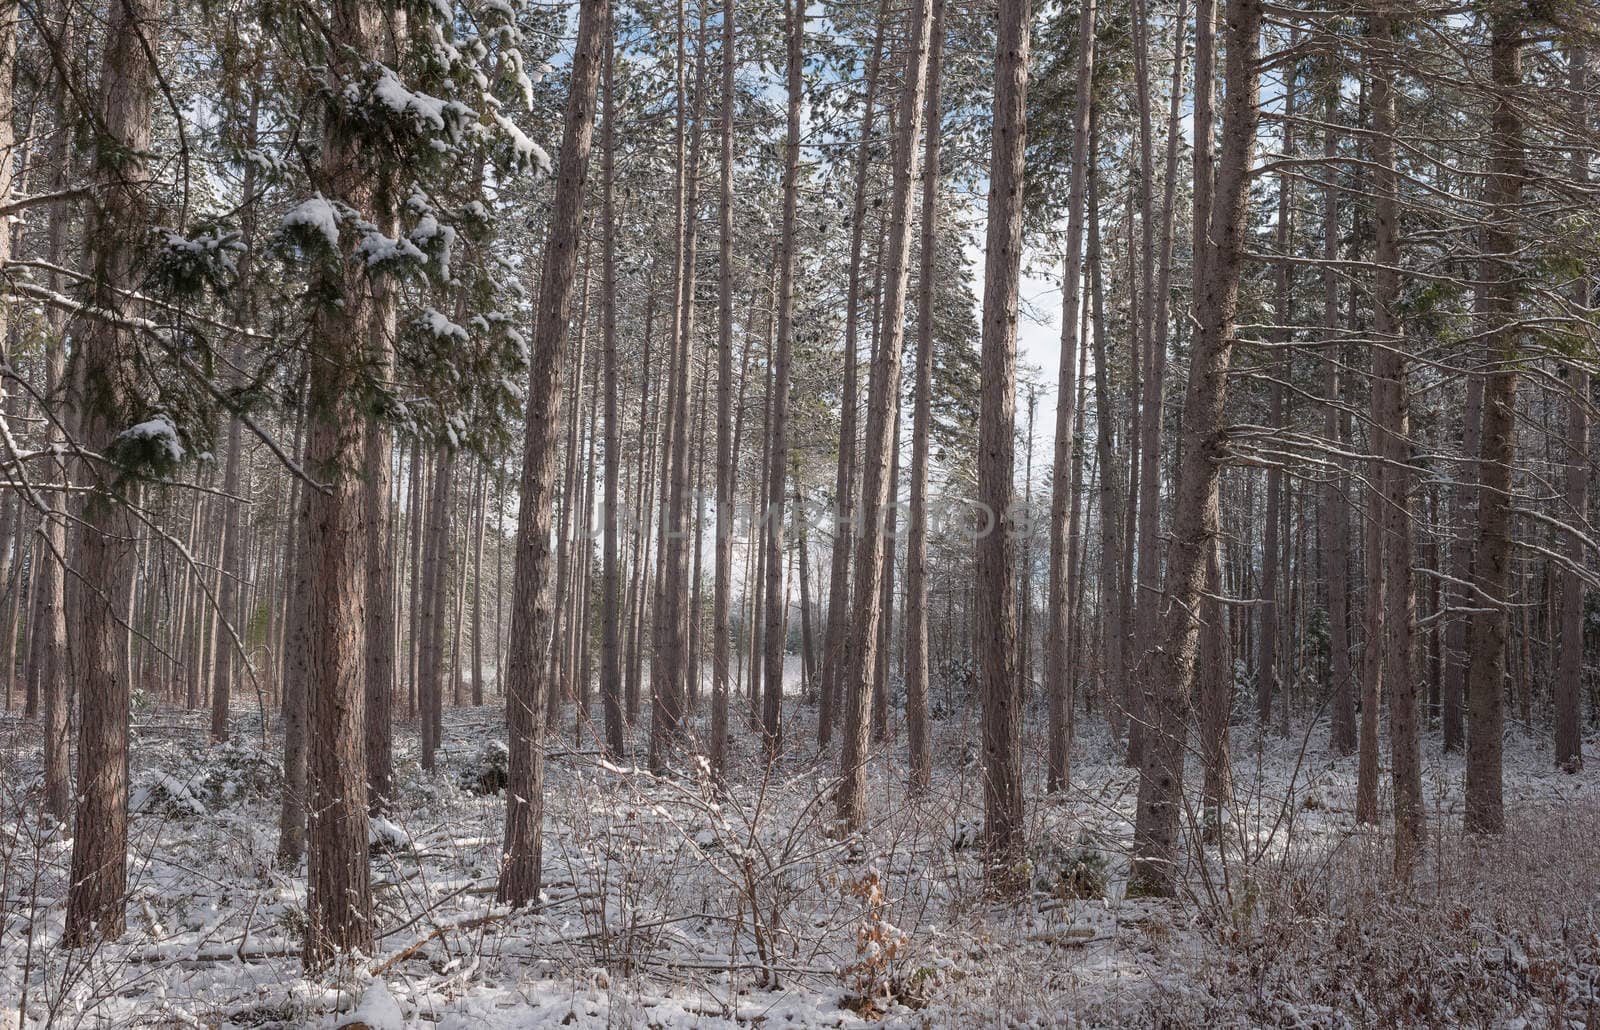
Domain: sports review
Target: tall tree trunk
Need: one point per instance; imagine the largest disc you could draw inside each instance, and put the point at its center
(1334, 515)
(697, 548)
(1112, 627)
(1169, 667)
(1133, 701)
(882, 409)
(645, 512)
(380, 616)
(1157, 278)
(1025, 558)
(669, 686)
(778, 399)
(918, 744)
(1492, 581)
(530, 613)
(52, 656)
(436, 591)
(836, 642)
(417, 488)
(1463, 506)
(1371, 655)
(479, 524)
(1057, 675)
(1569, 672)
(567, 529)
(297, 588)
(611, 587)
(757, 587)
(104, 357)
(233, 551)
(338, 900)
(1215, 697)
(1392, 426)
(1272, 546)
(1001, 691)
(802, 559)
(880, 669)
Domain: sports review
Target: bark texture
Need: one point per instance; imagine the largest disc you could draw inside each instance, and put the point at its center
(531, 614)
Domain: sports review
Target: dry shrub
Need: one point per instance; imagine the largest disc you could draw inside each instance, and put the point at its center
(1493, 932)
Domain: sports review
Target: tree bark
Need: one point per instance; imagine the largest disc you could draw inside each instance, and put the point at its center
(836, 642)
(1272, 545)
(530, 615)
(1057, 675)
(117, 223)
(1391, 423)
(918, 742)
(1215, 696)
(778, 400)
(52, 656)
(1492, 580)
(611, 587)
(1169, 668)
(380, 616)
(1335, 517)
(1002, 694)
(884, 650)
(436, 590)
(338, 903)
(669, 684)
(882, 409)
(1111, 510)
(1569, 671)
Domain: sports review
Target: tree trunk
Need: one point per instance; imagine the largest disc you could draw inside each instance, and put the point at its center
(611, 587)
(802, 559)
(1057, 676)
(669, 685)
(1392, 426)
(380, 618)
(1111, 510)
(1215, 696)
(880, 669)
(338, 903)
(836, 638)
(1569, 672)
(882, 409)
(1486, 674)
(567, 532)
(297, 583)
(105, 550)
(530, 613)
(1169, 668)
(1335, 528)
(1002, 695)
(919, 747)
(1156, 277)
(479, 522)
(232, 564)
(1267, 672)
(436, 590)
(52, 657)
(778, 400)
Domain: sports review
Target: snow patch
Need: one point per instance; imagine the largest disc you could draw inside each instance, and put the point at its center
(318, 214)
(437, 325)
(158, 429)
(378, 1009)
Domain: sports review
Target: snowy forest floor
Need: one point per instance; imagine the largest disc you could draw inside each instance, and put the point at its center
(668, 908)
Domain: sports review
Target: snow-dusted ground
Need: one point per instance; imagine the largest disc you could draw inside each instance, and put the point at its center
(667, 906)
